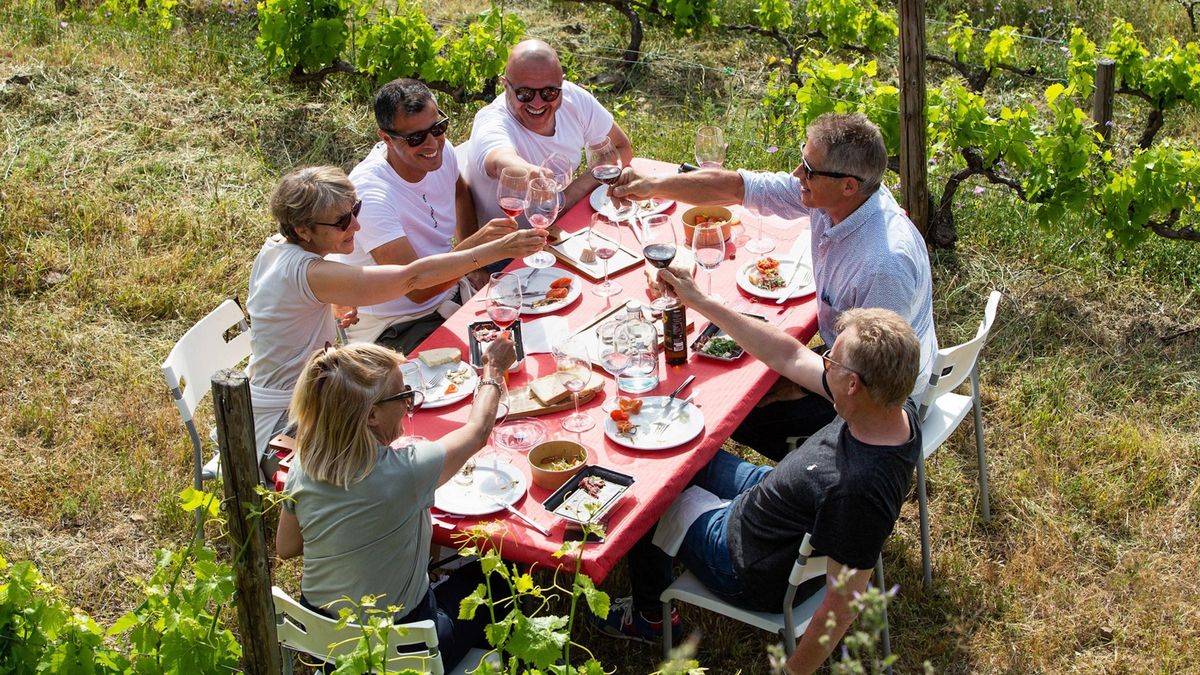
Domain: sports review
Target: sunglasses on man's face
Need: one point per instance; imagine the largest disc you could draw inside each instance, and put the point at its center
(526, 94)
(829, 363)
(410, 396)
(418, 137)
(809, 172)
(343, 223)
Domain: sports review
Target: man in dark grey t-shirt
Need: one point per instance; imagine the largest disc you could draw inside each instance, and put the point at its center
(845, 485)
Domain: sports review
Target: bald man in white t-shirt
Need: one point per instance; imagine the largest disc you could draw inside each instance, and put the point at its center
(538, 115)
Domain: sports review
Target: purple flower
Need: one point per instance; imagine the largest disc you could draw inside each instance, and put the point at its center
(979, 189)
(893, 590)
(62, 24)
(772, 148)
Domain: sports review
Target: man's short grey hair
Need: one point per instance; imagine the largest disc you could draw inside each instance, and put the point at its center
(853, 145)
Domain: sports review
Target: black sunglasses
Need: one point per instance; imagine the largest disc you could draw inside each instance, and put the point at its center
(526, 94)
(829, 363)
(418, 137)
(343, 223)
(413, 397)
(809, 172)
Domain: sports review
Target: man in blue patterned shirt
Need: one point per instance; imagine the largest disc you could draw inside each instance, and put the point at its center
(866, 252)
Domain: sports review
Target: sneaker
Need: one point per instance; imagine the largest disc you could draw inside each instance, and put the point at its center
(625, 622)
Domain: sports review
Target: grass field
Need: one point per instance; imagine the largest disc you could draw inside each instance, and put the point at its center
(134, 173)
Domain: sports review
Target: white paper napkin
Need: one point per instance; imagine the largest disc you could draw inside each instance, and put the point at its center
(540, 334)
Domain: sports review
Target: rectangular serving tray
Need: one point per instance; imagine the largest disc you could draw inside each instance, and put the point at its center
(554, 501)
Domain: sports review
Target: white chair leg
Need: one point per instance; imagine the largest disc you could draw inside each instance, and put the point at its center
(666, 624)
(984, 503)
(923, 503)
(887, 635)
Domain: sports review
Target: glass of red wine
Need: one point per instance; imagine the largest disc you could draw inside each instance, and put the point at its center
(604, 245)
(504, 299)
(542, 203)
(512, 191)
(658, 246)
(605, 164)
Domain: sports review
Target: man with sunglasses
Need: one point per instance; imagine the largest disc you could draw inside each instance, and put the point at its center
(414, 204)
(865, 251)
(844, 486)
(540, 115)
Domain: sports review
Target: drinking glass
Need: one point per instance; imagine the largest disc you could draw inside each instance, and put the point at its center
(708, 245)
(614, 361)
(412, 377)
(558, 168)
(542, 203)
(605, 246)
(574, 370)
(658, 246)
(710, 147)
(512, 191)
(762, 244)
(605, 164)
(504, 299)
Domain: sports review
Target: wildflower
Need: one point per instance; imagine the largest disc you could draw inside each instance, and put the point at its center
(772, 148)
(62, 24)
(979, 189)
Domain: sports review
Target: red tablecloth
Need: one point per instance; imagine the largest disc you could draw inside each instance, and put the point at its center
(725, 392)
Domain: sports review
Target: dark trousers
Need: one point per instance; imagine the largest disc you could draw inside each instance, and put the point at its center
(776, 429)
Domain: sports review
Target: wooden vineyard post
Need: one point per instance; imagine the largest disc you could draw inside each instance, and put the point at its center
(914, 186)
(251, 566)
(1102, 97)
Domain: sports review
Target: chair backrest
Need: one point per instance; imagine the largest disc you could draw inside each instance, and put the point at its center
(954, 364)
(201, 352)
(304, 630)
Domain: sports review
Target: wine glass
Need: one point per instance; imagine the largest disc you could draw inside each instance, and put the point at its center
(512, 191)
(710, 147)
(708, 245)
(558, 168)
(614, 361)
(543, 200)
(605, 164)
(761, 244)
(504, 299)
(574, 370)
(605, 247)
(411, 371)
(658, 246)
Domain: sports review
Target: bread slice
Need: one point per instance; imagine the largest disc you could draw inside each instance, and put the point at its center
(549, 390)
(440, 356)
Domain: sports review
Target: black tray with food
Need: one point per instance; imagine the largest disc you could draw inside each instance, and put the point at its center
(589, 495)
(480, 333)
(715, 344)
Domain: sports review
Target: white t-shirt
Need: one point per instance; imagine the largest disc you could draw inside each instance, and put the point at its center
(393, 208)
(579, 119)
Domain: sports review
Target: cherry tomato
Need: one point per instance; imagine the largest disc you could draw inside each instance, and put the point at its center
(557, 293)
(619, 416)
(562, 282)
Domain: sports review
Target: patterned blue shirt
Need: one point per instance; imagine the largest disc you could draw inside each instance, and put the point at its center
(873, 258)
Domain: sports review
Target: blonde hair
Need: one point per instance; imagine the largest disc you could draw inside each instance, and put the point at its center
(333, 398)
(305, 193)
(883, 350)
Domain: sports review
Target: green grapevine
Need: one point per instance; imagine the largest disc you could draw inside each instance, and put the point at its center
(400, 44)
(157, 14)
(308, 34)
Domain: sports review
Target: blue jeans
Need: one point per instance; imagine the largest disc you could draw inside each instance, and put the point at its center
(705, 548)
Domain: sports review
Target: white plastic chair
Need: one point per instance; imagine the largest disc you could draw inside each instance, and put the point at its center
(789, 624)
(189, 368)
(303, 630)
(942, 411)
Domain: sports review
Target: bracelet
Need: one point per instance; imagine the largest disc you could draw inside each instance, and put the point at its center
(495, 383)
(473, 258)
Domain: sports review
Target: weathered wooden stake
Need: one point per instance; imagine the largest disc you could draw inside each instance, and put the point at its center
(1102, 97)
(914, 171)
(251, 566)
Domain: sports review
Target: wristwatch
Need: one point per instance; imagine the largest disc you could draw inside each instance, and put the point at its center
(495, 383)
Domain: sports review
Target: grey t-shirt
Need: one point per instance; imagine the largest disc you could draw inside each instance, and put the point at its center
(373, 537)
(846, 493)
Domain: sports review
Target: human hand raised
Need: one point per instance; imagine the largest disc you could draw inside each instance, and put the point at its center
(522, 243)
(496, 228)
(630, 185)
(345, 316)
(500, 355)
(682, 287)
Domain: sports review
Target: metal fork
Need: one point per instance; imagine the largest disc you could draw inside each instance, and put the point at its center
(660, 427)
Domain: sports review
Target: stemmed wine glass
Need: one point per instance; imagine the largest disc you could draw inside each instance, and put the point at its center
(512, 191)
(558, 168)
(708, 245)
(605, 164)
(504, 299)
(710, 147)
(412, 374)
(605, 247)
(574, 370)
(543, 200)
(761, 244)
(658, 246)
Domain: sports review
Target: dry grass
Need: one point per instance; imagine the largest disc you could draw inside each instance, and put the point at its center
(133, 174)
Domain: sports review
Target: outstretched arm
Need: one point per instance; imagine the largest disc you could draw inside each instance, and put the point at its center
(835, 610)
(704, 187)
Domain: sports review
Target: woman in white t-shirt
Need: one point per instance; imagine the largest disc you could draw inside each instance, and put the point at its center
(359, 508)
(293, 290)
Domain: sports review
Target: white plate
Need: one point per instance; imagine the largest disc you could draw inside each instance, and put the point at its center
(503, 481)
(681, 430)
(540, 283)
(436, 396)
(786, 265)
(601, 204)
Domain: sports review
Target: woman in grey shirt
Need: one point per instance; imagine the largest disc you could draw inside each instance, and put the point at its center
(359, 508)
